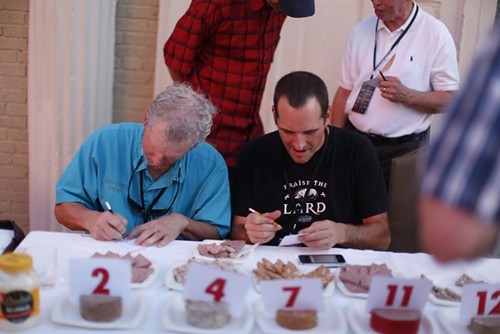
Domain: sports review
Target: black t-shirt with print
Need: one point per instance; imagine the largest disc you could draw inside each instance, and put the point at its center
(348, 186)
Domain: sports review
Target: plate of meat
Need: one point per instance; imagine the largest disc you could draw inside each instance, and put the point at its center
(144, 272)
(359, 320)
(330, 321)
(174, 318)
(355, 280)
(447, 289)
(67, 313)
(266, 270)
(235, 251)
(176, 275)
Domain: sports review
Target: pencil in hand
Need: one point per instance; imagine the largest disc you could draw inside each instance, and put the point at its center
(260, 214)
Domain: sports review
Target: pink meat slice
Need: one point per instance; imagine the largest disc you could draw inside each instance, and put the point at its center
(140, 261)
(139, 275)
(358, 278)
(237, 245)
(130, 258)
(213, 250)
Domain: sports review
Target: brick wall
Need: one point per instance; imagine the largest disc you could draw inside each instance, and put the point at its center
(136, 25)
(14, 111)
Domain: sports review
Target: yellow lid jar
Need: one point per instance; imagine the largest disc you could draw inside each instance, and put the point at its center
(19, 293)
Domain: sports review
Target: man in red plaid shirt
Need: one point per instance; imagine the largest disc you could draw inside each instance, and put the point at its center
(225, 48)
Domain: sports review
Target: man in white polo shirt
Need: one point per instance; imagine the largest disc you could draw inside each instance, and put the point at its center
(399, 67)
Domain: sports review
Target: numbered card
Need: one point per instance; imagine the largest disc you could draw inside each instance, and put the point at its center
(100, 276)
(292, 294)
(398, 293)
(213, 285)
(479, 300)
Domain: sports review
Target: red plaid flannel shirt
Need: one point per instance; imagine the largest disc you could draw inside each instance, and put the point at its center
(226, 47)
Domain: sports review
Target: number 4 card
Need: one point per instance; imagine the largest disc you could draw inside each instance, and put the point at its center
(397, 293)
(213, 285)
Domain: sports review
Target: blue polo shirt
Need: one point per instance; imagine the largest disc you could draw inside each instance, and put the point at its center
(110, 162)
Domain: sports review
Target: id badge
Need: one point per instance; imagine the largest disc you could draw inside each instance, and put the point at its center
(365, 96)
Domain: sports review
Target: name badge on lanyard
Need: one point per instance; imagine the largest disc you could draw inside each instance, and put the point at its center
(368, 88)
(365, 95)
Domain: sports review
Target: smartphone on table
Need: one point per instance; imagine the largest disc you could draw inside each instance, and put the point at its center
(328, 260)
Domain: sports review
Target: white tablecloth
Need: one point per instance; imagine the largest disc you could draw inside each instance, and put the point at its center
(72, 245)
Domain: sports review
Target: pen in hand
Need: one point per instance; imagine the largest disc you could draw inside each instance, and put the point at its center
(382, 75)
(108, 206)
(258, 213)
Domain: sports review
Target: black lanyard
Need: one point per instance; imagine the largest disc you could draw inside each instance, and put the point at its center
(149, 212)
(375, 65)
(316, 168)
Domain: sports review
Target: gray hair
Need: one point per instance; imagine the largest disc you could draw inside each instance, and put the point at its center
(188, 113)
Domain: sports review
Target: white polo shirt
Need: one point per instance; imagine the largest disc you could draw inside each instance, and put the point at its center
(425, 59)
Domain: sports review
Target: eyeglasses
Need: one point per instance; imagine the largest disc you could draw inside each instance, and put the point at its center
(148, 213)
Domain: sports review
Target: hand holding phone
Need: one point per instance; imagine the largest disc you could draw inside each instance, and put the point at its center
(328, 260)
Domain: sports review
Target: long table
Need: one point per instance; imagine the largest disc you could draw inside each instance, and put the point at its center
(73, 245)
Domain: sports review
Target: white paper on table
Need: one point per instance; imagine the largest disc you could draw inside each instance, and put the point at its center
(119, 246)
(292, 239)
(129, 245)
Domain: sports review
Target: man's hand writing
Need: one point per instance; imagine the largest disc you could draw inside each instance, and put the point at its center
(159, 231)
(108, 226)
(260, 227)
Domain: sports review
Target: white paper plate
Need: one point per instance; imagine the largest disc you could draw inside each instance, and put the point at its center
(348, 293)
(444, 281)
(67, 313)
(359, 320)
(241, 260)
(448, 317)
(173, 318)
(170, 281)
(148, 281)
(329, 321)
(327, 291)
(448, 281)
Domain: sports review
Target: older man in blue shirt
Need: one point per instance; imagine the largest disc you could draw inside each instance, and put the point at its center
(160, 179)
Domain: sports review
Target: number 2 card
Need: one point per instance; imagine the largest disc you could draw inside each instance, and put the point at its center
(100, 276)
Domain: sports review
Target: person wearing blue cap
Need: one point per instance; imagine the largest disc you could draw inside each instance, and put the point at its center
(225, 48)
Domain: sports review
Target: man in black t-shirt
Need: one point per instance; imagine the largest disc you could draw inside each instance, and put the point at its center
(315, 180)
